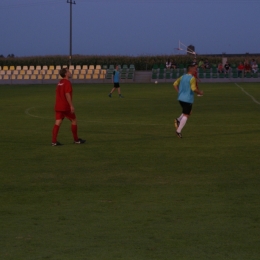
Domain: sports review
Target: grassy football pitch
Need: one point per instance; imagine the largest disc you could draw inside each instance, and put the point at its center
(134, 191)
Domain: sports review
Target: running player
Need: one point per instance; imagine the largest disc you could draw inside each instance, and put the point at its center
(116, 83)
(195, 75)
(185, 86)
(64, 108)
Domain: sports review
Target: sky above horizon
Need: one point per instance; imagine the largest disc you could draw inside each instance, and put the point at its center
(129, 27)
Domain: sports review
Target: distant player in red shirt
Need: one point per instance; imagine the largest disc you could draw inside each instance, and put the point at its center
(64, 108)
(195, 75)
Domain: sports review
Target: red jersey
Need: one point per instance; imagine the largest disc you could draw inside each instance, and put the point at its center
(195, 75)
(247, 67)
(240, 67)
(63, 87)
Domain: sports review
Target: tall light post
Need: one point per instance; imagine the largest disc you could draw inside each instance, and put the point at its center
(71, 3)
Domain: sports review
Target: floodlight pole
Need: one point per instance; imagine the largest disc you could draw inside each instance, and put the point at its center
(71, 3)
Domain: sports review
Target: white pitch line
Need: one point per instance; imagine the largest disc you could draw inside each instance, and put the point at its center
(27, 112)
(248, 94)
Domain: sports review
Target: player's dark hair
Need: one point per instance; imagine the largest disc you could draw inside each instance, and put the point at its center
(190, 66)
(63, 72)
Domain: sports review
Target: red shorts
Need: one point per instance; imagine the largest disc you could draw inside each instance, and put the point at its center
(62, 114)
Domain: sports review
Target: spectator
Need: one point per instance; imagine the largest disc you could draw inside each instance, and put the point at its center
(240, 69)
(247, 67)
(168, 64)
(174, 64)
(227, 67)
(201, 64)
(254, 67)
(206, 64)
(252, 62)
(220, 68)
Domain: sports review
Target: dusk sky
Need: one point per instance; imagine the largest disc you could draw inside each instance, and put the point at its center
(129, 27)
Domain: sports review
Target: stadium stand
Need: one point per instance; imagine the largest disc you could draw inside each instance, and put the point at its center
(174, 74)
(50, 74)
(168, 75)
(130, 76)
(123, 76)
(89, 72)
(76, 72)
(108, 76)
(83, 71)
(208, 75)
(102, 76)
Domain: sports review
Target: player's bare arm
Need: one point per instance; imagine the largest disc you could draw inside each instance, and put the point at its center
(176, 88)
(72, 109)
(199, 92)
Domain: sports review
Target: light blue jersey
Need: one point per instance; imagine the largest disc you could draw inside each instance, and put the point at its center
(187, 84)
(116, 76)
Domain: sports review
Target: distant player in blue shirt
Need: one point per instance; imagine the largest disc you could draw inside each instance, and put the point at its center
(116, 83)
(185, 86)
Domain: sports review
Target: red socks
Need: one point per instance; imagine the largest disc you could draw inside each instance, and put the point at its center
(55, 131)
(74, 130)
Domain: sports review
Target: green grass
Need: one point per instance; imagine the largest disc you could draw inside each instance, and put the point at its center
(134, 190)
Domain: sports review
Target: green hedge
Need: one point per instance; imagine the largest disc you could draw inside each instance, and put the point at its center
(140, 62)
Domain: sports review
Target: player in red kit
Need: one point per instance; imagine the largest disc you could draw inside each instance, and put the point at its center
(195, 75)
(64, 108)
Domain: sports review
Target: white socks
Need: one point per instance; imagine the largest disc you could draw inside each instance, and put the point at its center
(179, 118)
(182, 123)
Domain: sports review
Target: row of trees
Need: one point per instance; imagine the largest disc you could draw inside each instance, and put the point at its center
(140, 62)
(8, 56)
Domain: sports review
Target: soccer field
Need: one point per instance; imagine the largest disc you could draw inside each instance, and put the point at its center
(134, 191)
